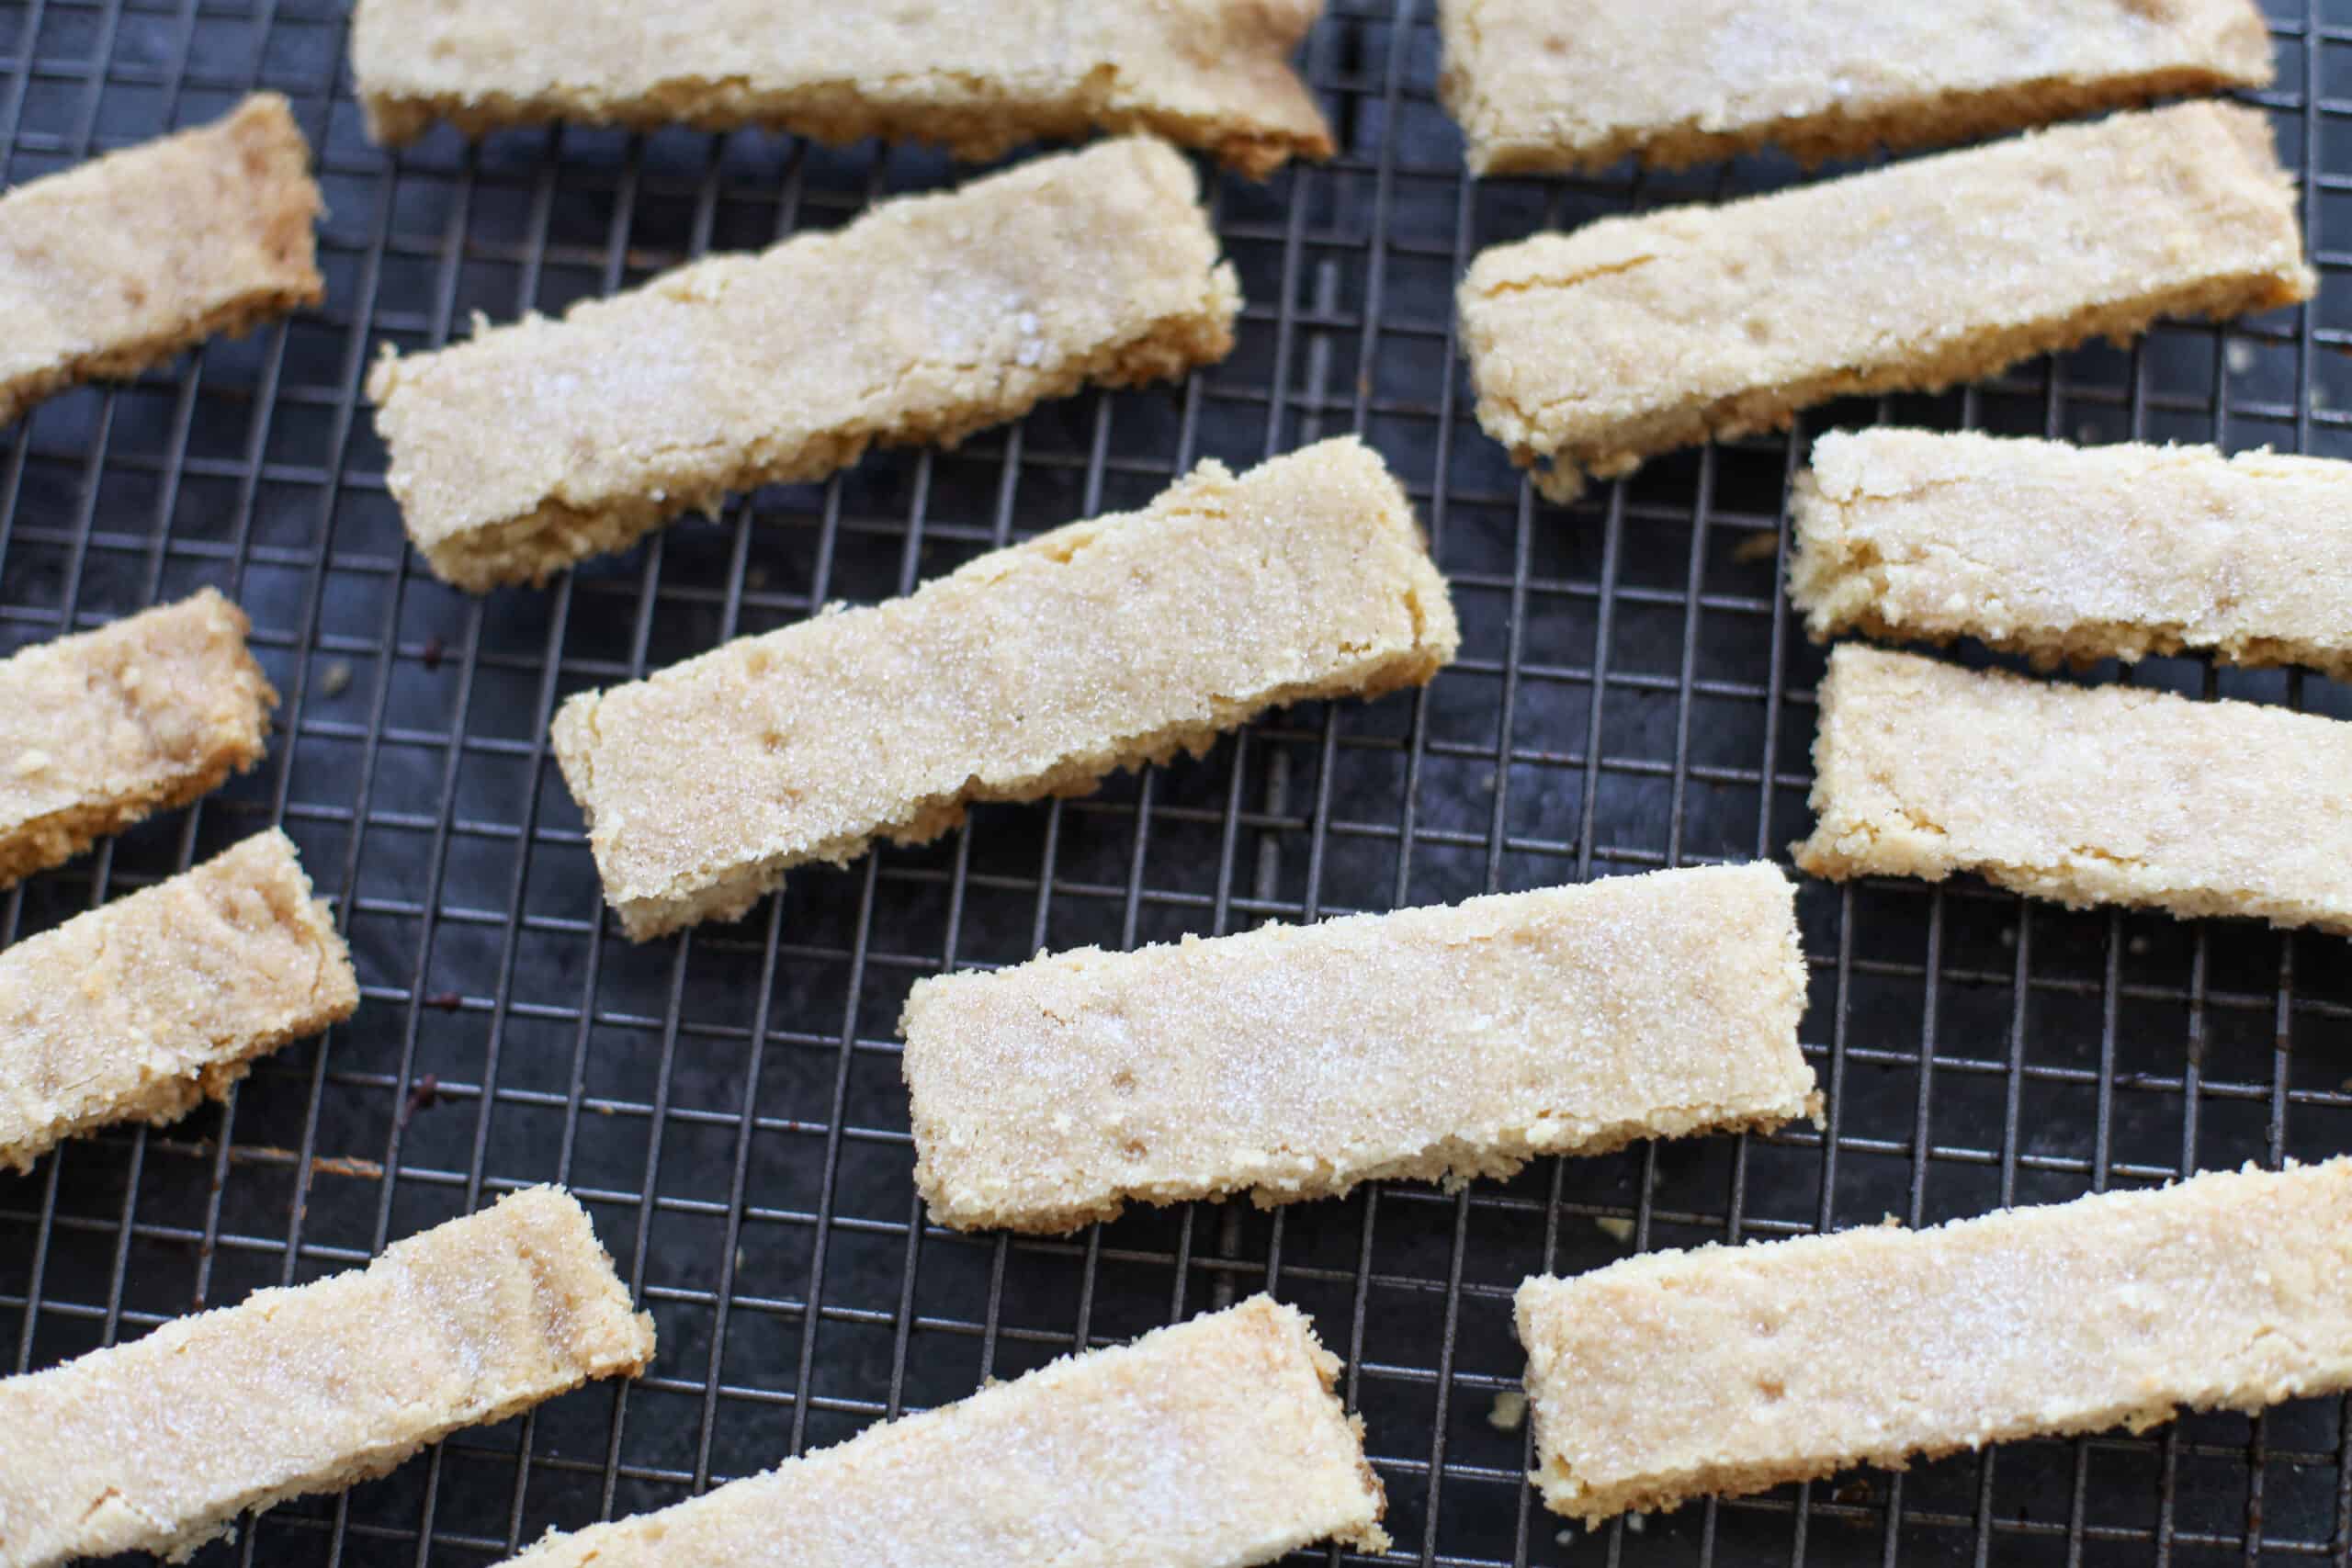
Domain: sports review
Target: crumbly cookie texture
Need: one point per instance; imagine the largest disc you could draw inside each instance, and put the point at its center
(2085, 795)
(1295, 1062)
(143, 1007)
(1031, 671)
(120, 263)
(535, 445)
(1728, 1370)
(1216, 1443)
(979, 76)
(100, 729)
(1553, 84)
(1633, 336)
(2074, 553)
(157, 1444)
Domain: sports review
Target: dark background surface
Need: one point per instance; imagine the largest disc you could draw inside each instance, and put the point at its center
(1633, 694)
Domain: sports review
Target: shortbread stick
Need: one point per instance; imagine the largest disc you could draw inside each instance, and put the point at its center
(978, 77)
(1295, 1062)
(99, 730)
(142, 1008)
(120, 263)
(1731, 1369)
(1213, 1444)
(1031, 671)
(2076, 553)
(533, 446)
(157, 1444)
(1633, 336)
(2086, 795)
(1555, 85)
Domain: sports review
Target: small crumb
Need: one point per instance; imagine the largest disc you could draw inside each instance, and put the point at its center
(1761, 544)
(2086, 434)
(2137, 947)
(1616, 1227)
(2240, 355)
(2008, 936)
(1637, 1523)
(755, 577)
(336, 679)
(423, 1097)
(1510, 1412)
(433, 653)
(1565, 1535)
(2346, 1085)
(447, 1001)
(1852, 1493)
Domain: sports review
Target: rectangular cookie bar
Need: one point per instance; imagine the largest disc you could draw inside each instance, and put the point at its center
(146, 1006)
(1553, 84)
(2074, 553)
(979, 76)
(2108, 795)
(1216, 1443)
(101, 729)
(1731, 1369)
(1295, 1062)
(157, 1444)
(535, 445)
(1633, 336)
(120, 262)
(1031, 671)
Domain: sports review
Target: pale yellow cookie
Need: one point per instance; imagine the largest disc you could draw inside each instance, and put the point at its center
(979, 76)
(1293, 1062)
(1213, 1444)
(142, 1008)
(533, 446)
(102, 728)
(1631, 336)
(1731, 1369)
(2107, 795)
(1031, 671)
(158, 1445)
(2072, 554)
(1548, 84)
(120, 262)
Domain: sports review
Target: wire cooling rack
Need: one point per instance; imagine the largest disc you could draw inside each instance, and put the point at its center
(1633, 694)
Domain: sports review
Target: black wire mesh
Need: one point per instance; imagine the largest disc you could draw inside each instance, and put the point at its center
(1633, 694)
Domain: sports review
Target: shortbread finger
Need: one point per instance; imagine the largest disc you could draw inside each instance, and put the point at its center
(2104, 795)
(1550, 84)
(1633, 336)
(2074, 553)
(101, 729)
(536, 445)
(141, 1008)
(120, 263)
(980, 78)
(1031, 671)
(1295, 1062)
(1213, 1444)
(157, 1444)
(1729, 1369)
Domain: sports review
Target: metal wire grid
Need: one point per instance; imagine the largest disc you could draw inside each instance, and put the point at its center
(1632, 695)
